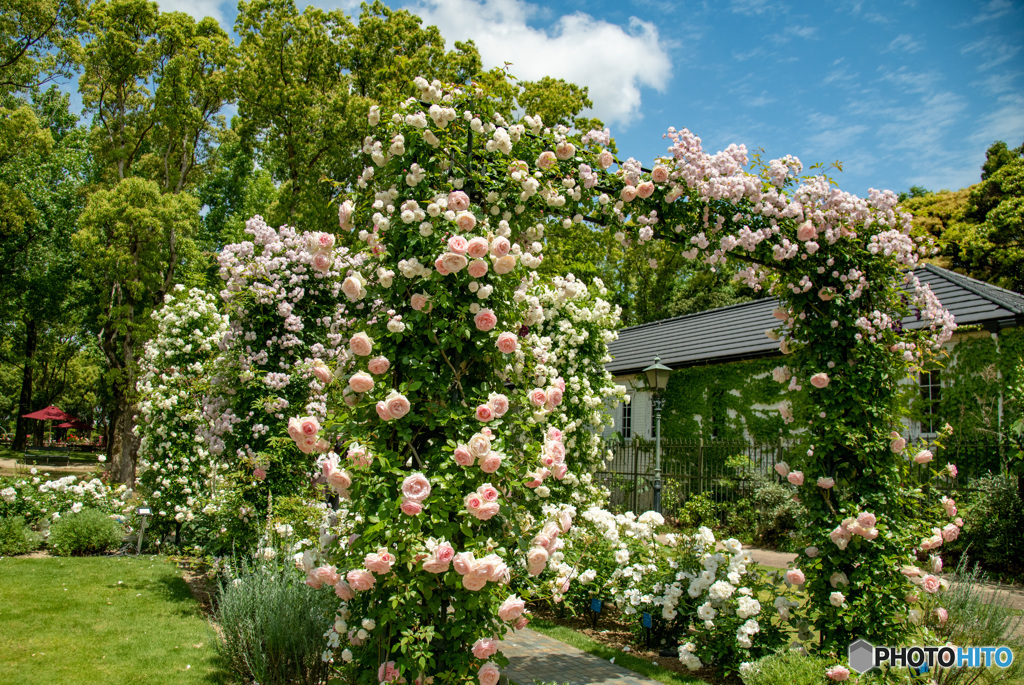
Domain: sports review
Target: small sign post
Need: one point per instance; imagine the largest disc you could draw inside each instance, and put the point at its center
(595, 608)
(647, 623)
(143, 512)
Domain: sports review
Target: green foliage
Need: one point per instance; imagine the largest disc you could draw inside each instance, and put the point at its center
(699, 510)
(977, 617)
(993, 514)
(789, 667)
(88, 531)
(16, 537)
(777, 515)
(273, 625)
(36, 42)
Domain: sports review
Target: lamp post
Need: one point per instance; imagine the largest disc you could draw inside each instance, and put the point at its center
(657, 380)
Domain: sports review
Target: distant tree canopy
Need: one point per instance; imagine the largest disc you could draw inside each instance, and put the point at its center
(980, 229)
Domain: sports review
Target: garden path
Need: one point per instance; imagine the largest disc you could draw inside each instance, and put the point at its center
(538, 658)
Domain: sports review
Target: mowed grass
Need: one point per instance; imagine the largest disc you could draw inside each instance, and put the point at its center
(102, 620)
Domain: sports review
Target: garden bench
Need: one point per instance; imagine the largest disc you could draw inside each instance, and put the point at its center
(48, 456)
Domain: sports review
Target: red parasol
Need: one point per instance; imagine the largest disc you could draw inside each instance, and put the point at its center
(76, 424)
(51, 413)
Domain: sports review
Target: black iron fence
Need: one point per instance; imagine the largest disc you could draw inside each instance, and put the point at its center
(726, 470)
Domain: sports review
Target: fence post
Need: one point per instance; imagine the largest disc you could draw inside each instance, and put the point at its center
(636, 474)
(700, 465)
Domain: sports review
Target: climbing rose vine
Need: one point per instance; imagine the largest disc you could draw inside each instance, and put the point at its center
(455, 440)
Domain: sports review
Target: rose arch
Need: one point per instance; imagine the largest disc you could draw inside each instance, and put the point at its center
(470, 388)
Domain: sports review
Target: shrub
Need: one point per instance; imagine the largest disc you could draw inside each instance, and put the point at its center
(88, 531)
(789, 667)
(274, 625)
(993, 521)
(777, 514)
(699, 510)
(976, 619)
(16, 537)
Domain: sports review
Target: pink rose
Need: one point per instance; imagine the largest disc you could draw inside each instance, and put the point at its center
(897, 445)
(522, 622)
(343, 590)
(536, 559)
(473, 582)
(950, 506)
(479, 445)
(500, 246)
(782, 468)
(398, 405)
(458, 201)
(485, 647)
(326, 575)
(439, 265)
(512, 608)
(457, 244)
(463, 456)
(565, 150)
(419, 301)
(488, 492)
(484, 412)
(554, 396)
(556, 449)
(491, 463)
(379, 561)
(485, 320)
(796, 478)
(313, 581)
(867, 519)
(795, 576)
(942, 615)
(805, 231)
(628, 194)
(322, 373)
(477, 247)
(387, 673)
(322, 262)
(507, 343)
(504, 265)
(820, 380)
(378, 365)
(826, 483)
(361, 344)
(931, 584)
(486, 511)
(339, 480)
(358, 455)
(605, 159)
(951, 469)
(659, 174)
(477, 268)
(499, 403)
(838, 672)
(464, 563)
(360, 580)
(923, 457)
(546, 160)
(411, 507)
(353, 288)
(259, 474)
(383, 412)
(554, 434)
(465, 221)
(309, 426)
(416, 487)
(559, 471)
(950, 532)
(361, 382)
(538, 397)
(473, 502)
(453, 263)
(645, 190)
(295, 428)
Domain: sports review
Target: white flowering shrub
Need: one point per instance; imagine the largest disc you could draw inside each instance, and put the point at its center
(176, 469)
(36, 497)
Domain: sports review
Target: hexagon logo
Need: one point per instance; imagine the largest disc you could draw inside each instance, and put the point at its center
(861, 655)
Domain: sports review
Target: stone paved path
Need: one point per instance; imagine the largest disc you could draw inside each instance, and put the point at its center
(538, 658)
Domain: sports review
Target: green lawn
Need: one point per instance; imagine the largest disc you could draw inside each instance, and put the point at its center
(102, 620)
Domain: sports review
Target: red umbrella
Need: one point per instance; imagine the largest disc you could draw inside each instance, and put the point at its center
(76, 424)
(51, 413)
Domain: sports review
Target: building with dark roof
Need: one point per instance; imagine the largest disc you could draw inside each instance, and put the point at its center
(993, 317)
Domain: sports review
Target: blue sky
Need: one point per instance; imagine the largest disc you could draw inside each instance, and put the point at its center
(902, 93)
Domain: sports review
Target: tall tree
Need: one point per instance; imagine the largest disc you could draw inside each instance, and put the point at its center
(36, 42)
(132, 239)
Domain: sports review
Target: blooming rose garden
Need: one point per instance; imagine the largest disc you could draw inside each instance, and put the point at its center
(414, 422)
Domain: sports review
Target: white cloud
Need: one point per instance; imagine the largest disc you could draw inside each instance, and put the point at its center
(197, 8)
(615, 63)
(992, 10)
(994, 50)
(905, 43)
(1005, 123)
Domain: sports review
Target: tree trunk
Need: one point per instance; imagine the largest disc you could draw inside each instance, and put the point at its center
(39, 434)
(129, 447)
(25, 401)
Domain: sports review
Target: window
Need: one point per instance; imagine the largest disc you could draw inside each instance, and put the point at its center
(931, 394)
(626, 421)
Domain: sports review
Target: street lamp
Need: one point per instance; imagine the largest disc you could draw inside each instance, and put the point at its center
(657, 380)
